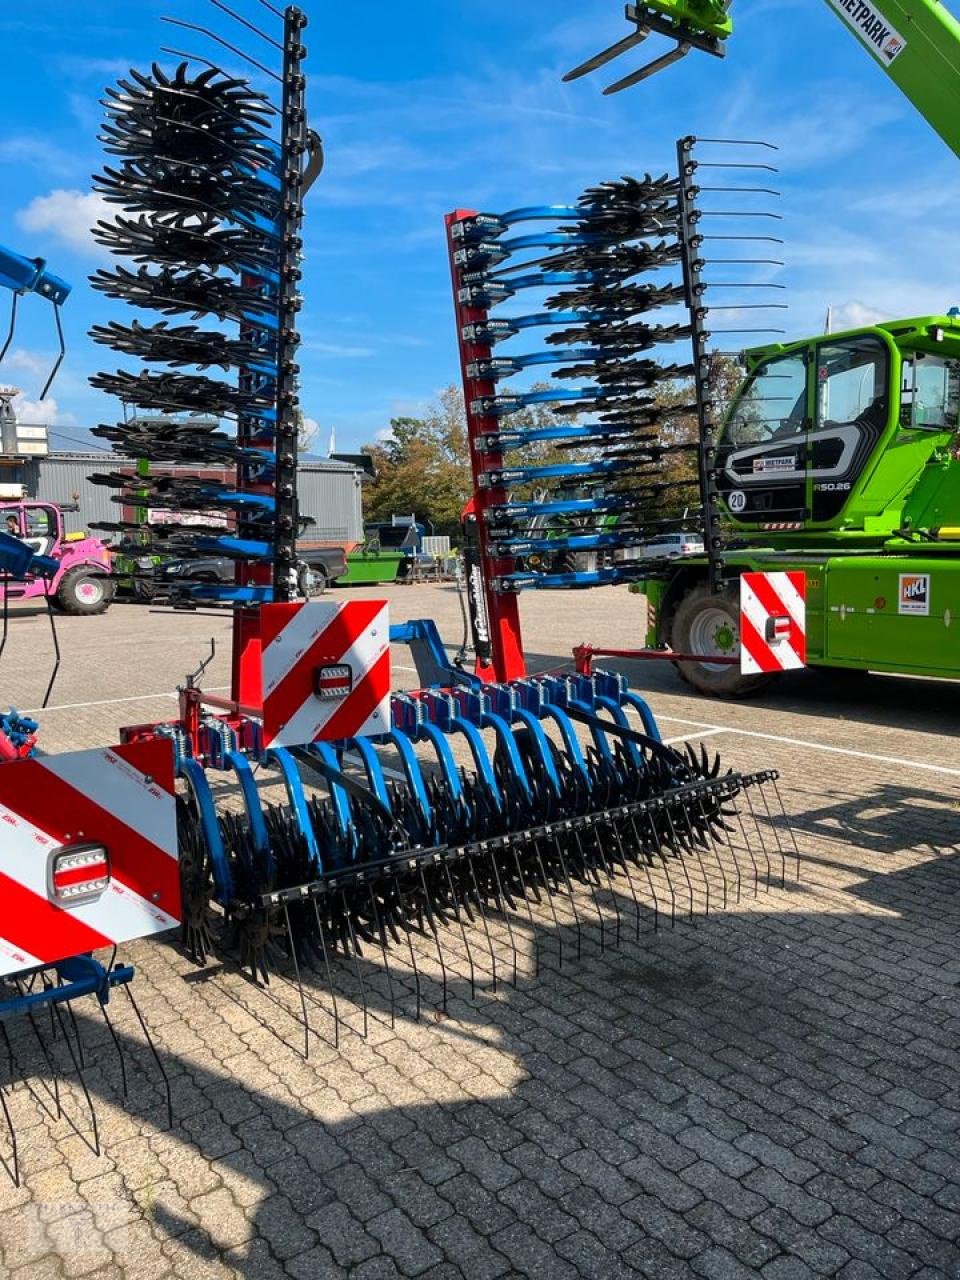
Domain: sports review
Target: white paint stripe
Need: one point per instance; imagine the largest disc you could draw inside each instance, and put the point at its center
(816, 746)
(306, 723)
(110, 702)
(109, 781)
(791, 598)
(686, 737)
(15, 959)
(118, 914)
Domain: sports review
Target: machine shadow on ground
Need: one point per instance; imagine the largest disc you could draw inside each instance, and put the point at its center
(618, 1115)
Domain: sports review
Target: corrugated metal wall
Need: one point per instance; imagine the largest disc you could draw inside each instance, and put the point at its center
(329, 492)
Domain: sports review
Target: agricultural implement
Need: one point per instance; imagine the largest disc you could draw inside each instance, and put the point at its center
(324, 822)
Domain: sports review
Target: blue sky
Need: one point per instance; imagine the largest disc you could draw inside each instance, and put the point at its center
(438, 104)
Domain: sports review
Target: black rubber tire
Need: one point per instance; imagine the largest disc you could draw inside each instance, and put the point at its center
(74, 582)
(714, 680)
(319, 581)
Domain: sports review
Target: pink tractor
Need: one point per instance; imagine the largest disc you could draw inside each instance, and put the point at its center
(82, 583)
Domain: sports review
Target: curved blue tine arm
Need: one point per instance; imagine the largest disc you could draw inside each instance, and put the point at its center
(371, 767)
(285, 762)
(412, 772)
(508, 744)
(481, 759)
(642, 707)
(619, 716)
(535, 212)
(570, 740)
(427, 732)
(540, 744)
(196, 779)
(251, 799)
(596, 728)
(338, 797)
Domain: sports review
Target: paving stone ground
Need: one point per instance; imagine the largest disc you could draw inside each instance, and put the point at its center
(767, 1090)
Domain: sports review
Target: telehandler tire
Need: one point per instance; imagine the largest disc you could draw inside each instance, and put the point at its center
(84, 592)
(709, 624)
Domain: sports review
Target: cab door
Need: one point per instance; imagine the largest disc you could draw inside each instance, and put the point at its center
(852, 413)
(761, 453)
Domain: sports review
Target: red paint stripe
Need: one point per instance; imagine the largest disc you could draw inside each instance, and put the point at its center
(326, 651)
(51, 804)
(35, 925)
(756, 646)
(773, 606)
(273, 619)
(153, 758)
(366, 697)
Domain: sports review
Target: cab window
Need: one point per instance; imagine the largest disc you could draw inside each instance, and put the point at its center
(39, 522)
(853, 381)
(773, 403)
(931, 393)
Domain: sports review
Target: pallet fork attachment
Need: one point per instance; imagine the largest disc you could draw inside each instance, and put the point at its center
(690, 24)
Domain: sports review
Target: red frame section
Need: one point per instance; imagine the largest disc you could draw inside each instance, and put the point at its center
(503, 608)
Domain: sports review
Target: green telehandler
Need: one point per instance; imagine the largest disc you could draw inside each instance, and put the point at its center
(840, 454)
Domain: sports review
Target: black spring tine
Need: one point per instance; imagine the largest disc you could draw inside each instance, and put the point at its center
(609, 874)
(738, 818)
(695, 848)
(330, 983)
(702, 840)
(745, 792)
(588, 880)
(658, 845)
(573, 905)
(382, 937)
(775, 826)
(436, 938)
(12, 1172)
(355, 952)
(455, 899)
(716, 844)
(504, 903)
(299, 981)
(406, 916)
(151, 1045)
(558, 932)
(788, 825)
(610, 868)
(597, 885)
(82, 1080)
(71, 1016)
(524, 893)
(116, 1044)
(623, 862)
(53, 1093)
(483, 917)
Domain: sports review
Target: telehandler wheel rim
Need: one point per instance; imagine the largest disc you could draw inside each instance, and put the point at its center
(89, 591)
(713, 633)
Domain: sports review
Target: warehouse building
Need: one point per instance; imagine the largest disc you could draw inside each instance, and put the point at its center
(329, 490)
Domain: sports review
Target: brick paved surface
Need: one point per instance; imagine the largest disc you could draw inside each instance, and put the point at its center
(768, 1090)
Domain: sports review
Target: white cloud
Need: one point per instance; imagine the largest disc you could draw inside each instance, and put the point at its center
(67, 216)
(856, 315)
(337, 349)
(46, 412)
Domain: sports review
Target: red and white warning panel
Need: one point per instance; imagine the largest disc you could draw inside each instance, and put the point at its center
(326, 671)
(88, 852)
(773, 622)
